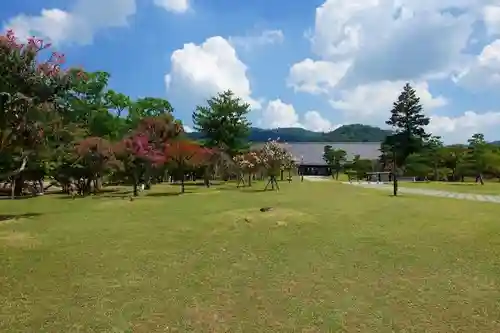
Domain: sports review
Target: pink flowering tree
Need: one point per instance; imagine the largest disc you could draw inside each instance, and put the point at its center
(247, 164)
(273, 158)
(136, 153)
(30, 89)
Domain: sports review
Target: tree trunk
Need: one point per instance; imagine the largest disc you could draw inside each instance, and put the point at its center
(337, 175)
(19, 185)
(98, 183)
(250, 179)
(281, 175)
(88, 186)
(183, 176)
(42, 190)
(206, 176)
(136, 184)
(13, 188)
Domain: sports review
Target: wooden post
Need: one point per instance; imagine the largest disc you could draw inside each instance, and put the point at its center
(394, 174)
(302, 168)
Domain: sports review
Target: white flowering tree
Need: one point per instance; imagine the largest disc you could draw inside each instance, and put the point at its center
(288, 165)
(247, 164)
(274, 157)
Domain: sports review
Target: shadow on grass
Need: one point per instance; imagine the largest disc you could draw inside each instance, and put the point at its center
(244, 189)
(166, 194)
(105, 194)
(192, 184)
(6, 217)
(8, 197)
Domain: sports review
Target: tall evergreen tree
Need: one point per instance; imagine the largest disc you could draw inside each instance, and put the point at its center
(408, 120)
(223, 123)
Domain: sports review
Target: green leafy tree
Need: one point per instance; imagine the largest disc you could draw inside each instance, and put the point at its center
(417, 165)
(223, 123)
(115, 123)
(117, 101)
(453, 159)
(408, 121)
(147, 107)
(359, 166)
(86, 99)
(434, 152)
(31, 92)
(335, 158)
(481, 157)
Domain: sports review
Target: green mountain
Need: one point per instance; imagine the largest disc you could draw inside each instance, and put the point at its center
(345, 133)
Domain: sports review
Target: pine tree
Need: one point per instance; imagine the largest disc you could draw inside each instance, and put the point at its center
(408, 120)
(223, 123)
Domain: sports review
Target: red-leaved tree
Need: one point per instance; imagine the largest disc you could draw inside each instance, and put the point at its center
(183, 155)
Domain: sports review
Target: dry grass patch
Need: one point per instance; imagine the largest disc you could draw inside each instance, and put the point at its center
(17, 239)
(279, 215)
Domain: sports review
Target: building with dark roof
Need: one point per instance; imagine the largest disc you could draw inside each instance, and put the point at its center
(309, 155)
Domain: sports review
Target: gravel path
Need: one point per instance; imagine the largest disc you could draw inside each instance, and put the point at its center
(420, 191)
(434, 193)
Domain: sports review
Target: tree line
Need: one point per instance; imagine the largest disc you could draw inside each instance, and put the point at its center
(65, 125)
(412, 151)
(345, 133)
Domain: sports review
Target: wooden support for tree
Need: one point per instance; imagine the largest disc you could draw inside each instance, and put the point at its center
(273, 182)
(241, 180)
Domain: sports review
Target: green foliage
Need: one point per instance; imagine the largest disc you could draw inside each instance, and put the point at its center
(408, 120)
(117, 101)
(147, 107)
(335, 158)
(223, 122)
(358, 166)
(345, 133)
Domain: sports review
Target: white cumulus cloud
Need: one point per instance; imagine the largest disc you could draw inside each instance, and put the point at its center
(316, 76)
(459, 128)
(484, 72)
(491, 18)
(253, 40)
(278, 114)
(364, 41)
(174, 6)
(372, 102)
(207, 69)
(78, 25)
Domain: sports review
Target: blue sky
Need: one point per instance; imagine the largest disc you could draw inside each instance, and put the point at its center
(316, 64)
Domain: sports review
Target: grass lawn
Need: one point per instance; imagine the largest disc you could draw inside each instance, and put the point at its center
(328, 258)
(469, 186)
(490, 187)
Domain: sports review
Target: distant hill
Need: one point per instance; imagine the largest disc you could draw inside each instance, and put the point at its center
(345, 133)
